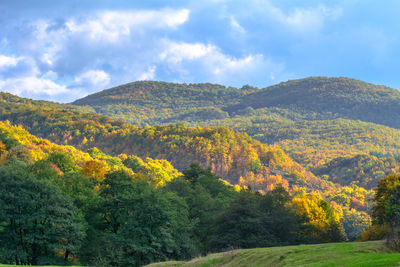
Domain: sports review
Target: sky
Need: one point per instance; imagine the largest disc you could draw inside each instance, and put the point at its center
(65, 50)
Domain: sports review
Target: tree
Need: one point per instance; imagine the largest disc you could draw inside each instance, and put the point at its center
(207, 197)
(255, 220)
(132, 224)
(38, 223)
(94, 169)
(322, 221)
(387, 206)
(64, 161)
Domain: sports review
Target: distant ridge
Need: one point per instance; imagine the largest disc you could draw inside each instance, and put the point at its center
(330, 97)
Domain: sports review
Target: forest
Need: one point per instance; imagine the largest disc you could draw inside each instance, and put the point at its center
(315, 120)
(193, 172)
(63, 206)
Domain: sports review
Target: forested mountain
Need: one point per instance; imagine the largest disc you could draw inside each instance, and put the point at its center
(153, 102)
(234, 156)
(63, 206)
(150, 168)
(330, 98)
(315, 120)
(314, 98)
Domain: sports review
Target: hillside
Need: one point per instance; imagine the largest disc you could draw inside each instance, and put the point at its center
(343, 211)
(234, 156)
(363, 254)
(81, 203)
(315, 120)
(231, 155)
(144, 102)
(331, 98)
(18, 144)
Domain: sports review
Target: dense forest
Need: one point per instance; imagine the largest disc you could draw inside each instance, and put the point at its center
(61, 205)
(315, 120)
(233, 156)
(151, 171)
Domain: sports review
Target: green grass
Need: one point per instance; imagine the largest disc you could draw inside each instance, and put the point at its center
(372, 253)
(5, 265)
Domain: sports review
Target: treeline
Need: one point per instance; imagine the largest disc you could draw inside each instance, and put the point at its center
(230, 154)
(364, 170)
(315, 120)
(148, 102)
(59, 205)
(233, 156)
(49, 218)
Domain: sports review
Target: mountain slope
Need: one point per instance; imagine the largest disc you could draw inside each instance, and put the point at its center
(234, 156)
(314, 119)
(149, 102)
(229, 154)
(331, 97)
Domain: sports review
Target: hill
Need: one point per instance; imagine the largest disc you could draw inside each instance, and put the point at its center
(315, 120)
(145, 102)
(231, 155)
(363, 254)
(314, 98)
(234, 156)
(17, 143)
(330, 98)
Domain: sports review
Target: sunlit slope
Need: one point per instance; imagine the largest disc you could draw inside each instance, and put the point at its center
(229, 154)
(314, 119)
(363, 254)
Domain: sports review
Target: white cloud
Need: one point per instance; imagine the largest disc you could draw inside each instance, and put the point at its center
(28, 86)
(211, 64)
(176, 52)
(148, 75)
(300, 19)
(110, 26)
(236, 26)
(50, 75)
(6, 61)
(93, 78)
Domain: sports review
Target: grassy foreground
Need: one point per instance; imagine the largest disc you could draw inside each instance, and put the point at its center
(5, 265)
(372, 253)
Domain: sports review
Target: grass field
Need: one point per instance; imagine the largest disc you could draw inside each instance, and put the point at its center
(372, 253)
(5, 265)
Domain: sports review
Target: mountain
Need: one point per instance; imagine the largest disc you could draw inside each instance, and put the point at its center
(131, 169)
(313, 98)
(145, 102)
(234, 156)
(315, 120)
(331, 98)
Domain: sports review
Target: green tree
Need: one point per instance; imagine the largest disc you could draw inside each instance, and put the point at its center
(63, 161)
(387, 206)
(132, 224)
(255, 220)
(38, 223)
(207, 197)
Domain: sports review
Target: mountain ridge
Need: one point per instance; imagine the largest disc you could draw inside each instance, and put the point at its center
(333, 97)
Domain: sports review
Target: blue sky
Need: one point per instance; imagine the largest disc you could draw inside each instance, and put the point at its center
(64, 50)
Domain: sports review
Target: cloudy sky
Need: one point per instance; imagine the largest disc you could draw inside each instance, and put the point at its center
(64, 50)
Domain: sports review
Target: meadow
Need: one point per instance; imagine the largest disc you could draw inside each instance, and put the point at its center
(372, 253)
